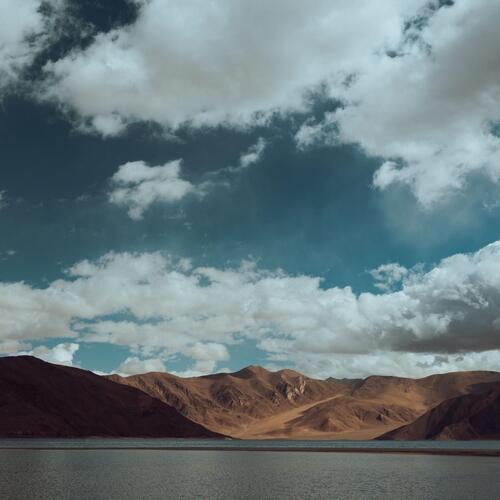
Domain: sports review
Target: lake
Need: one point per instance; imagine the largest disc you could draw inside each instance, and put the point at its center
(133, 469)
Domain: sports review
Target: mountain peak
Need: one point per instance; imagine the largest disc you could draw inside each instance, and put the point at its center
(252, 371)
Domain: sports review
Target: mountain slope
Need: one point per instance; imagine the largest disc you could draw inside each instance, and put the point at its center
(42, 399)
(473, 416)
(234, 402)
(47, 400)
(257, 403)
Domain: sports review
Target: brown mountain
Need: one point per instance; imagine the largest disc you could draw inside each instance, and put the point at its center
(256, 403)
(47, 400)
(235, 402)
(41, 399)
(473, 416)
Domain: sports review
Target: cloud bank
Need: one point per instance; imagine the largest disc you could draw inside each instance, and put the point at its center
(155, 304)
(221, 62)
(419, 88)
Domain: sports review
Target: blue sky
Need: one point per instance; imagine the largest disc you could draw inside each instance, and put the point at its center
(185, 189)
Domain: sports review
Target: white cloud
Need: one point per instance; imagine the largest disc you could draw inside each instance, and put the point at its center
(224, 61)
(137, 186)
(61, 354)
(19, 22)
(413, 365)
(419, 87)
(312, 133)
(451, 310)
(387, 276)
(205, 356)
(429, 111)
(133, 365)
(253, 155)
(209, 351)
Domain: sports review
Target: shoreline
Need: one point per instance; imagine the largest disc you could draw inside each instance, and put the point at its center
(409, 451)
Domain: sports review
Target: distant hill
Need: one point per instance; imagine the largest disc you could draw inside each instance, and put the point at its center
(257, 403)
(46, 400)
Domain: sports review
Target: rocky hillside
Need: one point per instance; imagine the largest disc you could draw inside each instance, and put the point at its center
(257, 403)
(42, 399)
(46, 400)
(235, 401)
(473, 416)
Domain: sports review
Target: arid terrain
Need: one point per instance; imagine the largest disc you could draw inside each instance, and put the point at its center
(258, 404)
(471, 416)
(43, 399)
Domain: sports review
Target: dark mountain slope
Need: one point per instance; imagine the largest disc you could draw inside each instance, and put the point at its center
(472, 416)
(47, 400)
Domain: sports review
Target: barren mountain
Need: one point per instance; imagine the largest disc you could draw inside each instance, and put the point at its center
(46, 400)
(42, 399)
(235, 402)
(473, 416)
(256, 403)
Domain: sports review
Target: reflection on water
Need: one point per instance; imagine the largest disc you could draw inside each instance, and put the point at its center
(152, 474)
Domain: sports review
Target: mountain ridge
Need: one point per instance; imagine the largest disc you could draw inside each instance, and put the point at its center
(43, 399)
(257, 403)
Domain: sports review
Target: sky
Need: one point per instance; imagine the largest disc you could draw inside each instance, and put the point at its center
(198, 186)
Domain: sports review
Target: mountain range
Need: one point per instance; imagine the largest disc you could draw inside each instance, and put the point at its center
(46, 400)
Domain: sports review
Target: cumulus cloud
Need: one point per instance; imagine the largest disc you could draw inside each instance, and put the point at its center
(418, 88)
(134, 365)
(137, 186)
(208, 63)
(206, 356)
(387, 276)
(452, 309)
(61, 354)
(20, 22)
(27, 28)
(429, 106)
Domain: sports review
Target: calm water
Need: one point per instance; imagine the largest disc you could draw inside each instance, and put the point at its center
(149, 474)
(247, 443)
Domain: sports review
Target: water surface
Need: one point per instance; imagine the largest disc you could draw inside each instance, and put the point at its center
(154, 443)
(51, 472)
